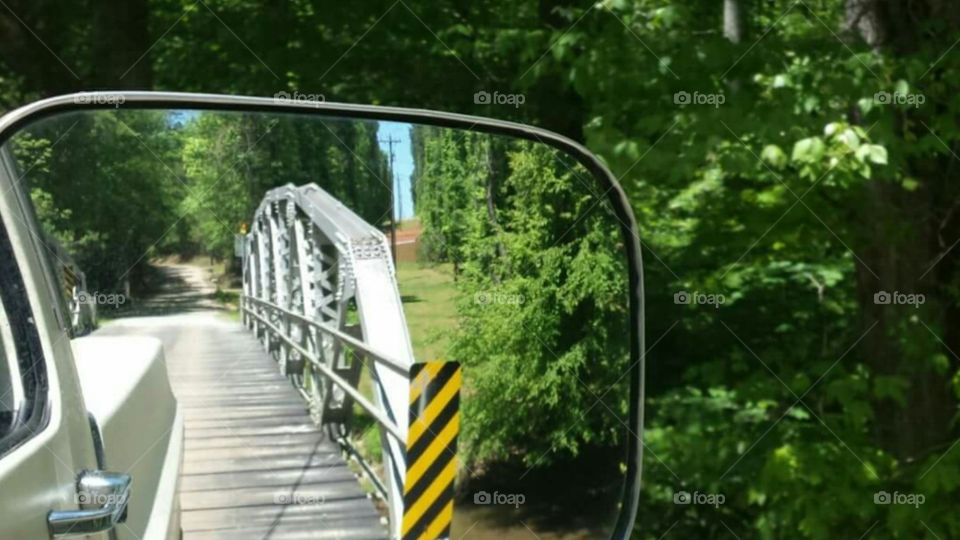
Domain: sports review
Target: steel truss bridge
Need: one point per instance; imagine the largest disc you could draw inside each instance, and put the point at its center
(320, 294)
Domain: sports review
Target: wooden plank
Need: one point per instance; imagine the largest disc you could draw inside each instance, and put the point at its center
(219, 454)
(254, 464)
(341, 522)
(274, 478)
(258, 463)
(264, 440)
(250, 420)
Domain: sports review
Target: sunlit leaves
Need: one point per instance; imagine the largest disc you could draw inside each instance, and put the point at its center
(873, 153)
(774, 156)
(809, 150)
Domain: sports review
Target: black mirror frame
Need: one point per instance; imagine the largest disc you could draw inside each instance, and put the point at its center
(614, 193)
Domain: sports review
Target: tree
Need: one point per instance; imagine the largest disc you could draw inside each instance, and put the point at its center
(105, 167)
(537, 256)
(232, 160)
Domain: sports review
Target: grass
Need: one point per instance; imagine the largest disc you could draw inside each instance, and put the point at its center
(429, 302)
(230, 300)
(409, 223)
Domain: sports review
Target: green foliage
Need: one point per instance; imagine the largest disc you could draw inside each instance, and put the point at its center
(191, 179)
(542, 309)
(450, 174)
(231, 160)
(87, 174)
(798, 198)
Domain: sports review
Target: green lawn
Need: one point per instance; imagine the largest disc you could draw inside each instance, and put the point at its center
(428, 302)
(428, 294)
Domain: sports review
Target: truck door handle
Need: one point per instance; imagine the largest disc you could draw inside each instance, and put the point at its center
(103, 498)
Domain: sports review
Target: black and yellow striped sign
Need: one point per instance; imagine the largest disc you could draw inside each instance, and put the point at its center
(431, 450)
(69, 281)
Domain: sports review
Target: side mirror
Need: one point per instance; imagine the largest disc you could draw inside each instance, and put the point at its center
(456, 300)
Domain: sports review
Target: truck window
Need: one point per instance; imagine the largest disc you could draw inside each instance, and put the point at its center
(11, 383)
(23, 373)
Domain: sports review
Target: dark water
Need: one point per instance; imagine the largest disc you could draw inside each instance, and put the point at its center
(575, 499)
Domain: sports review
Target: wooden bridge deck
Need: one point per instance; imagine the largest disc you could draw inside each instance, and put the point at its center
(254, 465)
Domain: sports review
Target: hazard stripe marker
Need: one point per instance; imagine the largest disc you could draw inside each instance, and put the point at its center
(69, 280)
(431, 450)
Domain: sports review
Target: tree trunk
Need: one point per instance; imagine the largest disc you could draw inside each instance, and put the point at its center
(120, 48)
(903, 236)
(35, 45)
(902, 25)
(494, 172)
(734, 28)
(552, 100)
(58, 47)
(893, 262)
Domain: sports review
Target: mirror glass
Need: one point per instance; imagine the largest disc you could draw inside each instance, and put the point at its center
(373, 328)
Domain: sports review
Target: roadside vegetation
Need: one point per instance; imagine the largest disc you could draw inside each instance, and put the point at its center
(429, 297)
(791, 165)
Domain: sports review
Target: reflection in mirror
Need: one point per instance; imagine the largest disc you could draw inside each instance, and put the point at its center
(11, 384)
(449, 309)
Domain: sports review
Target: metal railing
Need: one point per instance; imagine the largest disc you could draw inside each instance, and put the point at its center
(278, 322)
(320, 293)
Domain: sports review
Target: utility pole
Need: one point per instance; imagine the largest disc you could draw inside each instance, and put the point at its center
(390, 141)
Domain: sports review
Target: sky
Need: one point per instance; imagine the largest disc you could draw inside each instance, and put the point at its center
(402, 165)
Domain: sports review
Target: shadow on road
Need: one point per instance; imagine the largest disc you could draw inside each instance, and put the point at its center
(177, 288)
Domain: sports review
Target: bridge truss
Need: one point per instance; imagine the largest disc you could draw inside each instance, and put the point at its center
(321, 294)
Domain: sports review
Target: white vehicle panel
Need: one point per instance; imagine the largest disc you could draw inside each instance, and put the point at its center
(124, 381)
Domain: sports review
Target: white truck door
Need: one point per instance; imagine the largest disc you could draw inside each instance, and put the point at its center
(46, 443)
